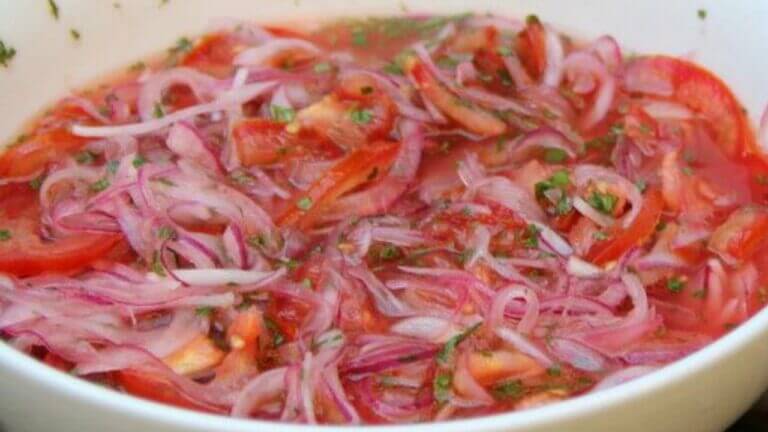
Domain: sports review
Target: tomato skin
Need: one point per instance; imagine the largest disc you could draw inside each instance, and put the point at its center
(260, 141)
(34, 154)
(351, 172)
(148, 386)
(531, 47)
(213, 54)
(26, 254)
(622, 240)
(705, 94)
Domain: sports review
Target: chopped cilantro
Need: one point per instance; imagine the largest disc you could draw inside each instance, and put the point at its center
(306, 283)
(555, 155)
(282, 114)
(157, 266)
(112, 166)
(390, 252)
(183, 45)
(359, 37)
(36, 182)
(5, 235)
(277, 334)
(84, 157)
(642, 185)
(600, 235)
(138, 161)
(100, 185)
(204, 311)
(304, 203)
(508, 390)
(687, 170)
(602, 202)
(361, 116)
(617, 129)
(165, 232)
(441, 387)
(322, 67)
(445, 354)
(7, 53)
(54, 9)
(702, 14)
(74, 34)
(661, 225)
(531, 239)
(290, 264)
(257, 241)
(675, 284)
(554, 370)
(504, 51)
(532, 19)
(158, 111)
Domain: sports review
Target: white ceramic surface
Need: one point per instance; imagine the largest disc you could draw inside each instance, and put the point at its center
(703, 392)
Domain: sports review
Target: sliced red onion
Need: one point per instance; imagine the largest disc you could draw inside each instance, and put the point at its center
(545, 137)
(433, 329)
(517, 72)
(152, 90)
(553, 241)
(504, 297)
(584, 174)
(222, 102)
(187, 142)
(263, 53)
(553, 71)
(383, 356)
(592, 214)
(579, 66)
(219, 277)
(465, 72)
(622, 376)
(577, 355)
(463, 380)
(583, 269)
(89, 107)
(268, 386)
(392, 89)
(522, 344)
(234, 245)
(608, 51)
(666, 110)
(339, 396)
(386, 302)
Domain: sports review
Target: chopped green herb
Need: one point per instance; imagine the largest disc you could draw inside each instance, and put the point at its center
(508, 390)
(304, 203)
(504, 51)
(158, 111)
(157, 266)
(277, 334)
(361, 116)
(204, 311)
(563, 206)
(5, 235)
(602, 202)
(675, 284)
(554, 370)
(702, 14)
(322, 67)
(446, 353)
(532, 19)
(390, 252)
(600, 235)
(75, 34)
(138, 66)
(661, 225)
(617, 129)
(466, 255)
(441, 387)
(100, 185)
(138, 161)
(466, 211)
(306, 283)
(54, 9)
(290, 264)
(183, 45)
(687, 170)
(7, 53)
(555, 155)
(84, 157)
(165, 232)
(36, 182)
(257, 241)
(282, 114)
(559, 179)
(642, 185)
(394, 69)
(112, 166)
(359, 37)
(645, 129)
(531, 239)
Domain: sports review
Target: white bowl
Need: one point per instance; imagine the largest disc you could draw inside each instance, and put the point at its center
(703, 392)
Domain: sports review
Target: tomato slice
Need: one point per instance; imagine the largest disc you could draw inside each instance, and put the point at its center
(213, 54)
(705, 94)
(154, 388)
(25, 253)
(622, 240)
(34, 154)
(742, 235)
(262, 141)
(531, 47)
(353, 171)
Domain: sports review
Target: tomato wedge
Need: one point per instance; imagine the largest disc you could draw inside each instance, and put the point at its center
(154, 388)
(34, 154)
(531, 47)
(213, 54)
(356, 169)
(622, 240)
(705, 94)
(24, 253)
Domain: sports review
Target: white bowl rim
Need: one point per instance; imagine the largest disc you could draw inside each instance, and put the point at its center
(584, 405)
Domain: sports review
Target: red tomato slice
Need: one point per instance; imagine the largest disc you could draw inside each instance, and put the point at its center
(261, 142)
(531, 47)
(24, 253)
(35, 153)
(213, 54)
(355, 170)
(705, 94)
(622, 240)
(154, 388)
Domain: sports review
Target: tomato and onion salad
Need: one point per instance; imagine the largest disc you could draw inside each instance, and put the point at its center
(383, 220)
